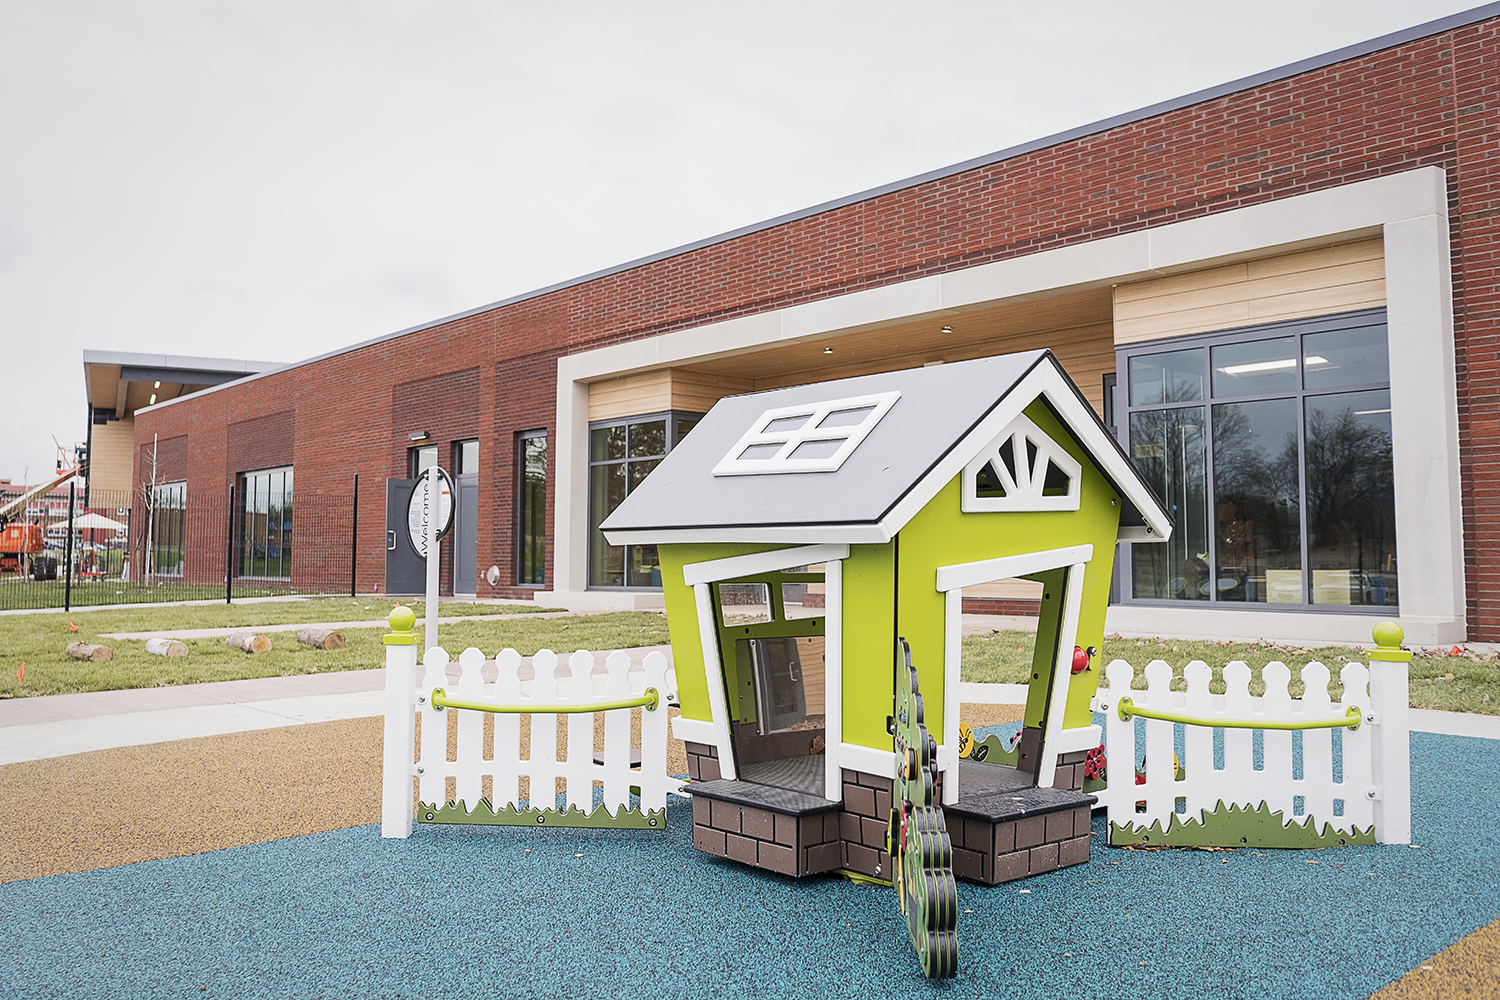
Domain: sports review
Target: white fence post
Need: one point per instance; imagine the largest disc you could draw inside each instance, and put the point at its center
(400, 725)
(432, 762)
(654, 781)
(1390, 681)
(469, 783)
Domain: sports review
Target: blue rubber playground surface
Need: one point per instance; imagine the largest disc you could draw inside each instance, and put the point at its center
(466, 912)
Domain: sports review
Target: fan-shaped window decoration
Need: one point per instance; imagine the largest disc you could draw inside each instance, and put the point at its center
(1022, 469)
(810, 437)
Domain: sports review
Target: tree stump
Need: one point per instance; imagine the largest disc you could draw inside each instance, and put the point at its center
(322, 638)
(250, 642)
(166, 647)
(89, 651)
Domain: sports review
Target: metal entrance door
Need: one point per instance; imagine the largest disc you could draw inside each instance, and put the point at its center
(405, 571)
(466, 535)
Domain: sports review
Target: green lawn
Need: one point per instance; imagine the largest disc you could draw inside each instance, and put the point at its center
(39, 640)
(1451, 683)
(1464, 683)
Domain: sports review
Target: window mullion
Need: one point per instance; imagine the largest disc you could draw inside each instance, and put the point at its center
(1210, 488)
(1302, 492)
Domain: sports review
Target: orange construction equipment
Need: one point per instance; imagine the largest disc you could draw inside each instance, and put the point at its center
(17, 540)
(18, 505)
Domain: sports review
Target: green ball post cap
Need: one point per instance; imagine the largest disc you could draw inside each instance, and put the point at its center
(1389, 635)
(404, 619)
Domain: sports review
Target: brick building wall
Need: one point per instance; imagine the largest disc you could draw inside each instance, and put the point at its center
(1432, 101)
(262, 442)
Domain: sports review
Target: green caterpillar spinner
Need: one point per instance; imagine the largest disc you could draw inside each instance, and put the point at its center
(917, 836)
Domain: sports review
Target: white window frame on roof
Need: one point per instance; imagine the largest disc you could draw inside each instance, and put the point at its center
(1022, 492)
(790, 439)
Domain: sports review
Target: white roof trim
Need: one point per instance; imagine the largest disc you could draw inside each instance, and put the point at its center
(972, 574)
(1045, 380)
(733, 567)
(786, 534)
(809, 431)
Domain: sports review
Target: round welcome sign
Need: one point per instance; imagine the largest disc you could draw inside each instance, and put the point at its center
(419, 507)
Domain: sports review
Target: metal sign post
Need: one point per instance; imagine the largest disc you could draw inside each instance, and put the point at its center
(429, 515)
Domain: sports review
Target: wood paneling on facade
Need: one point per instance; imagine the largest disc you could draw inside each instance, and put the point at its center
(1292, 286)
(654, 392)
(111, 455)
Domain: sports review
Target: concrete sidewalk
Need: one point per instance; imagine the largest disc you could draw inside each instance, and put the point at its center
(53, 726)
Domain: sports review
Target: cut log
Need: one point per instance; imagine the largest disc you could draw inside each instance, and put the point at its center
(89, 651)
(166, 647)
(250, 642)
(322, 638)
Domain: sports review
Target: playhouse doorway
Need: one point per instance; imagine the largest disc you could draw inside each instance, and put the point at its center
(771, 639)
(1035, 760)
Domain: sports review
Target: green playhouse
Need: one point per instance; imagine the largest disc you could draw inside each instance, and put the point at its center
(803, 533)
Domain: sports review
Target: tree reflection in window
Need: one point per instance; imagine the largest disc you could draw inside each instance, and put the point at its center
(1291, 457)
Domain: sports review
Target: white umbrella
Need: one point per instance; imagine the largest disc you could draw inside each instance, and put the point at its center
(89, 520)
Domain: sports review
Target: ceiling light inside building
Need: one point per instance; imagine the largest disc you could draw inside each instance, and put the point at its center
(1259, 366)
(947, 329)
(827, 350)
(153, 400)
(157, 385)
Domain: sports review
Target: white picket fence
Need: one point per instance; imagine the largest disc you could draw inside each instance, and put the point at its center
(1374, 788)
(507, 765)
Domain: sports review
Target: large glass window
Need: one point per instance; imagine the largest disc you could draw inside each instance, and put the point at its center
(621, 454)
(266, 524)
(1272, 451)
(168, 521)
(531, 508)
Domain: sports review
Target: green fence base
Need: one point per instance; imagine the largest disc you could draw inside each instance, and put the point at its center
(991, 751)
(599, 818)
(1235, 826)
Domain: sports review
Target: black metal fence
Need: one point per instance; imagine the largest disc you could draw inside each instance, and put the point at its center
(77, 549)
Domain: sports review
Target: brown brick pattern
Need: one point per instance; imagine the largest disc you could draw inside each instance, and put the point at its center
(862, 823)
(791, 845)
(991, 853)
(703, 761)
(1069, 772)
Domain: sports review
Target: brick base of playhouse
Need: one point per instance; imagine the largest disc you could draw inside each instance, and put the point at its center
(1026, 831)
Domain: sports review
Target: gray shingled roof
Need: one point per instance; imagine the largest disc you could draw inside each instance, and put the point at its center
(937, 409)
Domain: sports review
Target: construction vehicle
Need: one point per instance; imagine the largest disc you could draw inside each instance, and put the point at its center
(18, 540)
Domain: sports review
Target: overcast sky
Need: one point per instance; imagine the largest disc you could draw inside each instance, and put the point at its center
(270, 180)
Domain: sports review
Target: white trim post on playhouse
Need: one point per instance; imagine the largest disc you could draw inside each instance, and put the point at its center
(1062, 676)
(713, 672)
(833, 679)
(953, 638)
